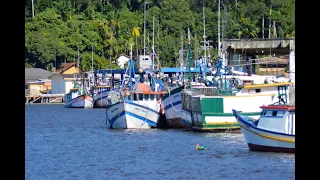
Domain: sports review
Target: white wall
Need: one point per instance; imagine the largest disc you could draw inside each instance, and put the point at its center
(68, 86)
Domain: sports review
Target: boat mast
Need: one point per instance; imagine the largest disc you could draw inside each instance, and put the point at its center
(158, 52)
(152, 43)
(130, 72)
(204, 43)
(181, 60)
(189, 58)
(219, 29)
(144, 30)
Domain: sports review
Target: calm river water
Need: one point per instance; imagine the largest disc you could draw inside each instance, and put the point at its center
(62, 143)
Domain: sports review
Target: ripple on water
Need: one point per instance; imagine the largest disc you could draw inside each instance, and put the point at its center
(62, 143)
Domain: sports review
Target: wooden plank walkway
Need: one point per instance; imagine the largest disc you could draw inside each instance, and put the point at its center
(44, 98)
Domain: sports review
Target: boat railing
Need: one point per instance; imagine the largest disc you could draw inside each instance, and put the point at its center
(207, 91)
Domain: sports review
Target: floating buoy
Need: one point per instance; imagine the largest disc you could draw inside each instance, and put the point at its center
(198, 147)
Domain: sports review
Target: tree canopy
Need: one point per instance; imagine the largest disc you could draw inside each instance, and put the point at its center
(106, 28)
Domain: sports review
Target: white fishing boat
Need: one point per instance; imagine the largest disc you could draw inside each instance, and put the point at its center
(137, 110)
(76, 99)
(78, 96)
(274, 131)
(100, 96)
(139, 104)
(171, 103)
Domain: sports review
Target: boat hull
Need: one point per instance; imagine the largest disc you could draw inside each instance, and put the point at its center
(101, 99)
(264, 140)
(215, 112)
(172, 108)
(186, 119)
(130, 115)
(82, 101)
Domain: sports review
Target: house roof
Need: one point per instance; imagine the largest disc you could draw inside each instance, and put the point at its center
(64, 75)
(36, 73)
(65, 66)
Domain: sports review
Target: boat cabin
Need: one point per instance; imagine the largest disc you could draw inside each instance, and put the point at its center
(279, 118)
(99, 89)
(74, 92)
(144, 93)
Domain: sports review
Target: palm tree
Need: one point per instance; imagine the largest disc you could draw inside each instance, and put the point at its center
(136, 34)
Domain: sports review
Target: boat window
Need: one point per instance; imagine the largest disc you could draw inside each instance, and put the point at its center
(280, 113)
(157, 96)
(273, 113)
(151, 96)
(146, 96)
(135, 97)
(140, 96)
(254, 91)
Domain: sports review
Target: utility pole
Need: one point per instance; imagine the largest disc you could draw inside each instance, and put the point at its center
(274, 30)
(225, 20)
(263, 27)
(32, 8)
(55, 59)
(91, 58)
(270, 23)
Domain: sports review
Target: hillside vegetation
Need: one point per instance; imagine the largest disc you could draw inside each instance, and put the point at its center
(56, 29)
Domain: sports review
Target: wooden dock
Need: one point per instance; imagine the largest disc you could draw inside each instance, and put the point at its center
(44, 98)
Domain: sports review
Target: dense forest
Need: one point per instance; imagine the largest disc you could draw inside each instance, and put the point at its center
(55, 30)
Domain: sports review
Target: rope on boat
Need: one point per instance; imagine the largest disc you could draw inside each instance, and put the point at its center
(228, 130)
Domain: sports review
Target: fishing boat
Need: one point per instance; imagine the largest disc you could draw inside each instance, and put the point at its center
(100, 97)
(274, 131)
(78, 98)
(140, 100)
(171, 101)
(210, 108)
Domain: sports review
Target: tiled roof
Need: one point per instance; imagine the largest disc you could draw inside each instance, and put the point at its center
(65, 66)
(36, 73)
